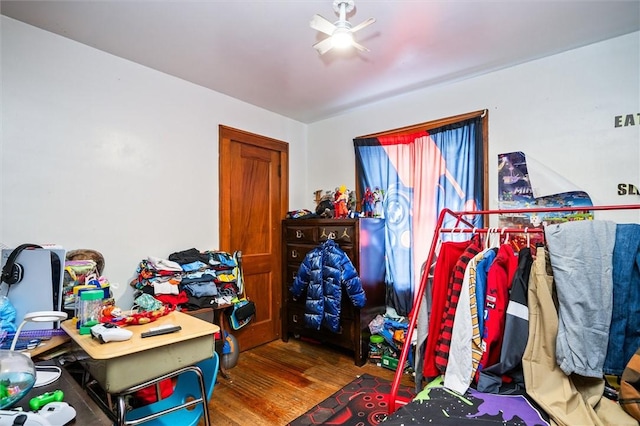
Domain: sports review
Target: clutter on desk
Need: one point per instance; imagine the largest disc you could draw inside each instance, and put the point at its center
(142, 313)
(82, 272)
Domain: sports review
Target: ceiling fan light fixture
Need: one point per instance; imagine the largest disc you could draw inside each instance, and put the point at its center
(342, 38)
(340, 32)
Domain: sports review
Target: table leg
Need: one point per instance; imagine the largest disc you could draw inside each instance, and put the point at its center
(121, 410)
(220, 314)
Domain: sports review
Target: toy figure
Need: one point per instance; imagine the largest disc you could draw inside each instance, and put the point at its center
(378, 198)
(340, 202)
(367, 203)
(351, 204)
(325, 206)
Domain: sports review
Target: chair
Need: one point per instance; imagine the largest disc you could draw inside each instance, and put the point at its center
(188, 402)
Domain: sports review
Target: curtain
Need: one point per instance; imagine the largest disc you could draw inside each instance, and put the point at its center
(420, 173)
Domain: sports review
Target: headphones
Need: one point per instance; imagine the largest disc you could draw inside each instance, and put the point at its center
(13, 272)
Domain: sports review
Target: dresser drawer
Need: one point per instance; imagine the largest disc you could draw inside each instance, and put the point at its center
(297, 252)
(292, 272)
(344, 337)
(295, 316)
(302, 234)
(347, 310)
(339, 233)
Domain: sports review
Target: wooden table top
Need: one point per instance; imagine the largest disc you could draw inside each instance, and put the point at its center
(192, 328)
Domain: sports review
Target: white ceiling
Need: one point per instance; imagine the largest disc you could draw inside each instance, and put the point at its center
(261, 51)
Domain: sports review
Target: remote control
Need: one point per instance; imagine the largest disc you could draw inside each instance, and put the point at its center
(162, 329)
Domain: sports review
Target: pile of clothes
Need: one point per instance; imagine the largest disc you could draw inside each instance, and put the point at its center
(191, 279)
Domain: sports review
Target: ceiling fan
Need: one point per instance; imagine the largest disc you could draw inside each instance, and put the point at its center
(341, 31)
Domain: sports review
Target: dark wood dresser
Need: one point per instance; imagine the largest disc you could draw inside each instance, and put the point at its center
(363, 241)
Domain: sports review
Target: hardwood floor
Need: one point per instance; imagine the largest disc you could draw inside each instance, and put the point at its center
(275, 383)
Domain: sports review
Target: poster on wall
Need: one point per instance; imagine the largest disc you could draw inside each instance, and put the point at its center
(526, 184)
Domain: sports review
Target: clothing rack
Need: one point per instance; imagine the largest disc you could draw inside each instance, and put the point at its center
(462, 225)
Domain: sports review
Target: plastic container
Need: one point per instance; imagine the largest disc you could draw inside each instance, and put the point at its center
(17, 377)
(376, 348)
(89, 310)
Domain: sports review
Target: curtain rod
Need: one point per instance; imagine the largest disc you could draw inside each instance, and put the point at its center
(429, 124)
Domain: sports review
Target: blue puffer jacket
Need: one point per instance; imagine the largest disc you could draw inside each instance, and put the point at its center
(323, 272)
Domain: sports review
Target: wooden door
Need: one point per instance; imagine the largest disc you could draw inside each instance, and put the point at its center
(253, 202)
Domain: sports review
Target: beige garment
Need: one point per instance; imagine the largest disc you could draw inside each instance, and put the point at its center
(569, 400)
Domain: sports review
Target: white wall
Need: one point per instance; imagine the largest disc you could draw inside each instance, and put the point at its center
(559, 110)
(102, 153)
(98, 152)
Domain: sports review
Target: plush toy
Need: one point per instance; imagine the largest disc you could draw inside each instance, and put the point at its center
(111, 312)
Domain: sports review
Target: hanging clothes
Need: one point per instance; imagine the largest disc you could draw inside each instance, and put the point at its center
(325, 270)
(482, 270)
(450, 252)
(466, 345)
(453, 294)
(568, 400)
(516, 334)
(499, 280)
(581, 254)
(624, 332)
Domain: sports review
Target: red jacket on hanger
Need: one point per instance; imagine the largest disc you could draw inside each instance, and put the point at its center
(499, 279)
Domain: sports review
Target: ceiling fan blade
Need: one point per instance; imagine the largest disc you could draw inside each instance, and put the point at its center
(319, 23)
(323, 46)
(362, 25)
(359, 46)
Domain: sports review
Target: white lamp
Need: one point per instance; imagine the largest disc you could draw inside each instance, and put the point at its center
(38, 316)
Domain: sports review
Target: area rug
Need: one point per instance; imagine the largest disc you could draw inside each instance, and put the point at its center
(363, 402)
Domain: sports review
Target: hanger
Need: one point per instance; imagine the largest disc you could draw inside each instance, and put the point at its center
(506, 237)
(487, 238)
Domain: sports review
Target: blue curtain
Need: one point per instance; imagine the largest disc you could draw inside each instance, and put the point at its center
(420, 174)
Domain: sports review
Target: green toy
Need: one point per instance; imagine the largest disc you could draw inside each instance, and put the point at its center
(37, 402)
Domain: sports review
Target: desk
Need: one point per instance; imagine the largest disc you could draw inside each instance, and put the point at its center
(118, 366)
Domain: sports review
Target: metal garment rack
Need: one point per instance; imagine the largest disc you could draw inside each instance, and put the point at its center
(462, 225)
